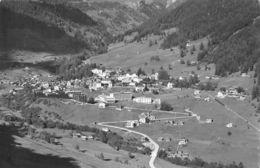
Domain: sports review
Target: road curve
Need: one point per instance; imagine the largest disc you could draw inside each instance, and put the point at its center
(156, 146)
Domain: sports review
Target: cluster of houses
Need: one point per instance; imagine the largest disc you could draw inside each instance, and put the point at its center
(144, 118)
(164, 139)
(197, 95)
(178, 154)
(82, 136)
(231, 92)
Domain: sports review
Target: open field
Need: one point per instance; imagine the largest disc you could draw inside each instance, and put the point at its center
(211, 141)
(86, 157)
(135, 55)
(87, 114)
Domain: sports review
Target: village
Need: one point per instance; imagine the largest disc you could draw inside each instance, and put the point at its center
(118, 90)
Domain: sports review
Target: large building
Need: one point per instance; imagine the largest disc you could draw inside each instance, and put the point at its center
(125, 96)
(144, 100)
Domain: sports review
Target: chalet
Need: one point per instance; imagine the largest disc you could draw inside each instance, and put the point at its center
(73, 93)
(139, 88)
(101, 105)
(209, 121)
(170, 85)
(160, 139)
(143, 118)
(181, 78)
(95, 86)
(168, 139)
(221, 95)
(157, 101)
(154, 76)
(83, 137)
(106, 99)
(148, 145)
(183, 142)
(132, 124)
(97, 72)
(229, 125)
(106, 84)
(105, 129)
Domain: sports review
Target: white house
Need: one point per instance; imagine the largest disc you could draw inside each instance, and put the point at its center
(101, 105)
(106, 99)
(107, 83)
(181, 78)
(183, 142)
(221, 95)
(157, 101)
(196, 92)
(105, 129)
(229, 125)
(132, 123)
(169, 85)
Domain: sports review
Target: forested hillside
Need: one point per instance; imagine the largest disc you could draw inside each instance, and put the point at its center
(239, 53)
(57, 28)
(24, 33)
(231, 26)
(215, 18)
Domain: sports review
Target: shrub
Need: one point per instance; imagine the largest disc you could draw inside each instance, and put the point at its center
(166, 106)
(182, 61)
(255, 92)
(188, 63)
(201, 46)
(202, 55)
(163, 75)
(77, 147)
(240, 90)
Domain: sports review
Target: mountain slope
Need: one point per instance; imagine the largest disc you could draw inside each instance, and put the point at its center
(47, 27)
(24, 33)
(230, 25)
(217, 18)
(239, 53)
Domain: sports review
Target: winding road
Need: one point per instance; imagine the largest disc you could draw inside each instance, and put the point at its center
(156, 146)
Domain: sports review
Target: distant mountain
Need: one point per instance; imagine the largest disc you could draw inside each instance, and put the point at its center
(119, 16)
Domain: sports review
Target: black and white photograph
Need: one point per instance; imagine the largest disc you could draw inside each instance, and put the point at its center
(129, 83)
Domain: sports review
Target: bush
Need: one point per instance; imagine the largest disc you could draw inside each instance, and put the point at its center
(201, 46)
(155, 58)
(140, 72)
(130, 155)
(188, 63)
(255, 92)
(77, 147)
(202, 55)
(166, 106)
(223, 89)
(240, 90)
(182, 61)
(209, 86)
(163, 75)
(91, 100)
